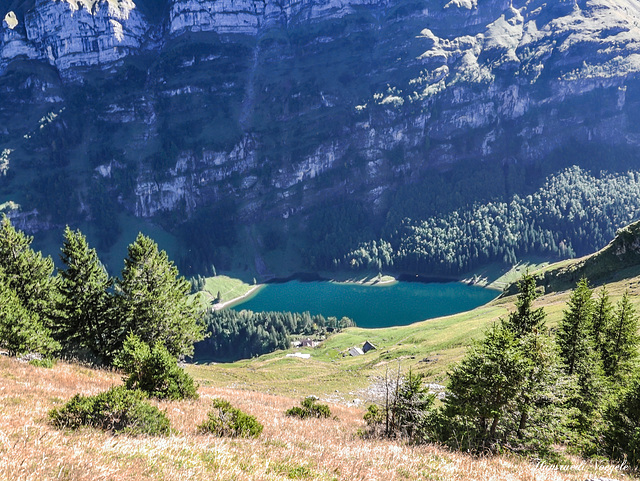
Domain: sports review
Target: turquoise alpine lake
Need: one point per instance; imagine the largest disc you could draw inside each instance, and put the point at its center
(396, 304)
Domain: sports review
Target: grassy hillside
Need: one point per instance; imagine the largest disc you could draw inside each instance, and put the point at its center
(287, 449)
(616, 262)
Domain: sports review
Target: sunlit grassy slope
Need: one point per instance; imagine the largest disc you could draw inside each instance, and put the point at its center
(30, 449)
(228, 287)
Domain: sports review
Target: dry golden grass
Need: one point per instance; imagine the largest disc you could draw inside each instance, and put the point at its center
(288, 448)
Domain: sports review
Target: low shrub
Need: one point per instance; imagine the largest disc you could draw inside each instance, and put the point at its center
(310, 409)
(225, 420)
(46, 362)
(374, 415)
(154, 371)
(118, 410)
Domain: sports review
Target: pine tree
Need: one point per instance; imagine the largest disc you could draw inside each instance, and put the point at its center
(153, 300)
(525, 319)
(529, 330)
(484, 386)
(573, 337)
(86, 316)
(621, 339)
(621, 437)
(539, 382)
(580, 358)
(602, 320)
(21, 330)
(27, 272)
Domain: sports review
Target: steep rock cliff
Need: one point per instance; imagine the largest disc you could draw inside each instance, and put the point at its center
(74, 33)
(249, 16)
(281, 108)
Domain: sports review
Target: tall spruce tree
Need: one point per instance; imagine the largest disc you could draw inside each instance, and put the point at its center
(581, 361)
(621, 340)
(27, 272)
(530, 334)
(573, 338)
(86, 316)
(601, 322)
(154, 302)
(539, 388)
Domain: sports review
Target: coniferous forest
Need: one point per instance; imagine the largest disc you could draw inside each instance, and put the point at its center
(236, 335)
(543, 223)
(81, 311)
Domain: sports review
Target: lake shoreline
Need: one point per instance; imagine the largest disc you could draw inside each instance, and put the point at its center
(399, 303)
(364, 279)
(222, 305)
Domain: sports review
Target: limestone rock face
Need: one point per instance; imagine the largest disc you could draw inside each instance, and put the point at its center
(73, 33)
(248, 16)
(13, 41)
(169, 107)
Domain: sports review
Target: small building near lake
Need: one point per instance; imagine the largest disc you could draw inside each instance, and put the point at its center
(355, 351)
(368, 346)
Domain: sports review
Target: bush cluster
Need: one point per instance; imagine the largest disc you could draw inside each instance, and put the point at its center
(310, 409)
(47, 362)
(225, 420)
(118, 410)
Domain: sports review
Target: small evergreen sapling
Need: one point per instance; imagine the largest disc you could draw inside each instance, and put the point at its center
(406, 413)
(525, 319)
(310, 409)
(225, 420)
(154, 371)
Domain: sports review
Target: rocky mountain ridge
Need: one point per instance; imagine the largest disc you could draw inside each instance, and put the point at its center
(269, 111)
(74, 33)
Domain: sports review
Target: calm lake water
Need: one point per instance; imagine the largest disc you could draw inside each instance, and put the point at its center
(396, 304)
